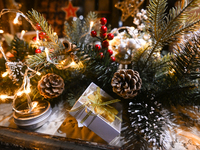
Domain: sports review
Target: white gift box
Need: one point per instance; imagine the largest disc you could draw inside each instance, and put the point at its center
(103, 128)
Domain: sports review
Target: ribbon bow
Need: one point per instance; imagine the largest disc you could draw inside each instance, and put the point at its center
(99, 105)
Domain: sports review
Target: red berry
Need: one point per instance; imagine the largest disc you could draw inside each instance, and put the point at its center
(101, 54)
(112, 58)
(34, 38)
(110, 52)
(110, 36)
(38, 51)
(93, 33)
(105, 43)
(103, 29)
(38, 27)
(97, 47)
(103, 21)
(103, 35)
(42, 34)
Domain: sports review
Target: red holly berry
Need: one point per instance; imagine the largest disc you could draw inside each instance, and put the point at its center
(103, 35)
(101, 54)
(103, 29)
(112, 58)
(97, 47)
(42, 34)
(105, 43)
(110, 52)
(34, 38)
(38, 27)
(93, 33)
(103, 21)
(38, 51)
(110, 36)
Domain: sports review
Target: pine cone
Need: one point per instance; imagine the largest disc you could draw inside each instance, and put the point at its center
(51, 85)
(16, 71)
(126, 83)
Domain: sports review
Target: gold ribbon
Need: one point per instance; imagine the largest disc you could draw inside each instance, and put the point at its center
(99, 105)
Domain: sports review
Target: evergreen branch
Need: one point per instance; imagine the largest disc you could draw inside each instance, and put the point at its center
(36, 60)
(186, 59)
(175, 21)
(36, 17)
(173, 27)
(188, 27)
(78, 32)
(156, 13)
(21, 49)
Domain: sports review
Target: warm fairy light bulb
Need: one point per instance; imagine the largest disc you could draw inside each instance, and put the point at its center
(1, 31)
(34, 105)
(54, 33)
(73, 63)
(38, 73)
(63, 62)
(28, 90)
(171, 71)
(6, 96)
(22, 34)
(4, 74)
(3, 96)
(20, 93)
(16, 21)
(37, 37)
(91, 24)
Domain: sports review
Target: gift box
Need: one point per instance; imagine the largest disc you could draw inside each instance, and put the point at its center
(90, 115)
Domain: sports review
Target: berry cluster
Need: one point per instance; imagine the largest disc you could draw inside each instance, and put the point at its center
(42, 36)
(104, 37)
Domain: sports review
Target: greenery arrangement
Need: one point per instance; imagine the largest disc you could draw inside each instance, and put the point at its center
(167, 81)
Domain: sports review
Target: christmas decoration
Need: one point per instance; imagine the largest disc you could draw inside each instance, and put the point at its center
(93, 33)
(38, 51)
(152, 114)
(103, 29)
(103, 35)
(129, 8)
(105, 43)
(38, 27)
(97, 47)
(51, 85)
(112, 58)
(110, 36)
(110, 51)
(126, 83)
(130, 40)
(16, 71)
(95, 102)
(101, 55)
(103, 21)
(70, 11)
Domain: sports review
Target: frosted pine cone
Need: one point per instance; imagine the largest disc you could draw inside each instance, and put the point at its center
(126, 83)
(51, 85)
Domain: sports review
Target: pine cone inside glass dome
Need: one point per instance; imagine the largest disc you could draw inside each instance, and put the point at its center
(126, 83)
(51, 85)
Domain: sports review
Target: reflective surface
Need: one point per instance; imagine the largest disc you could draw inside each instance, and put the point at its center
(181, 131)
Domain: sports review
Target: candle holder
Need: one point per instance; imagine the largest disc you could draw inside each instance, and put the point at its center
(31, 115)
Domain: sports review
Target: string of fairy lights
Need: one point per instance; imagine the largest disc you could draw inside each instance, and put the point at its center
(29, 72)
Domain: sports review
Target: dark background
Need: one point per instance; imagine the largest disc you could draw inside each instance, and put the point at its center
(51, 9)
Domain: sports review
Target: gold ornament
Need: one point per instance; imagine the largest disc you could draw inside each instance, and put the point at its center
(129, 8)
(51, 85)
(126, 83)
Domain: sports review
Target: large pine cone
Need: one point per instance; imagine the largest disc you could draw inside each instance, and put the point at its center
(51, 85)
(126, 83)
